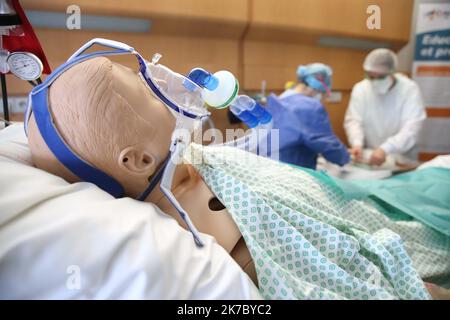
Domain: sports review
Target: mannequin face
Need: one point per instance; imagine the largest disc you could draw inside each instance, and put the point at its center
(151, 146)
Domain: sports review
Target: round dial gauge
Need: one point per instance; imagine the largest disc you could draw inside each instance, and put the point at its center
(25, 65)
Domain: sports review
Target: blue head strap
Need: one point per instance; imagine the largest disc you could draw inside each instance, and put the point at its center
(38, 99)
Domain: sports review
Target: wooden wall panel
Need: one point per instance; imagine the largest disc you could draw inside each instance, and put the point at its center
(179, 53)
(277, 63)
(334, 17)
(219, 19)
(230, 10)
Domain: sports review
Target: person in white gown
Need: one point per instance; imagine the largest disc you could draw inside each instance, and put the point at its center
(386, 110)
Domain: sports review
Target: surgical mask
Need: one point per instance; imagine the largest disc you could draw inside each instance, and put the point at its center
(382, 86)
(180, 94)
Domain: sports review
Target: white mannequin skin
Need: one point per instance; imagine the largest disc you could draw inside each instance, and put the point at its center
(108, 116)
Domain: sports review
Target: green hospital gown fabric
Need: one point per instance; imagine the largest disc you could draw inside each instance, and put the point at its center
(306, 239)
(422, 194)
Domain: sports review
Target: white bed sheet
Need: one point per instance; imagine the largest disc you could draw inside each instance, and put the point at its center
(438, 162)
(353, 171)
(74, 241)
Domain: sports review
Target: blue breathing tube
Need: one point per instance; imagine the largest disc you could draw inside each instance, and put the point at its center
(250, 112)
(243, 107)
(203, 78)
(245, 116)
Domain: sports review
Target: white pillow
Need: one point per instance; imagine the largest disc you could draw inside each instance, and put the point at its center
(14, 144)
(66, 241)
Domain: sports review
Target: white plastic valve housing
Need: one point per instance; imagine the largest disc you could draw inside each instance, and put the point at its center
(225, 93)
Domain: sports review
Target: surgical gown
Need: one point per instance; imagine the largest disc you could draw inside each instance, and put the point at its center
(391, 122)
(304, 131)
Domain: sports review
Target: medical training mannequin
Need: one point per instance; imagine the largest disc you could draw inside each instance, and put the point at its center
(108, 116)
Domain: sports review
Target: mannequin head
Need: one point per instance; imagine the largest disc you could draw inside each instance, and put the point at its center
(107, 115)
(109, 118)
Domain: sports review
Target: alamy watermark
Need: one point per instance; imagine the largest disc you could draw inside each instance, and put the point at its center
(73, 281)
(264, 142)
(373, 22)
(73, 21)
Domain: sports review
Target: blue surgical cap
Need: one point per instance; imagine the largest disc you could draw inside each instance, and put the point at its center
(316, 76)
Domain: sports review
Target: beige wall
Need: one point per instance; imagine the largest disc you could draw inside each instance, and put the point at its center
(256, 39)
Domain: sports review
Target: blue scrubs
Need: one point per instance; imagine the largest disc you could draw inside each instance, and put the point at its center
(305, 131)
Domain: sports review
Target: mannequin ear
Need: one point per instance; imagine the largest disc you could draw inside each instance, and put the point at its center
(137, 162)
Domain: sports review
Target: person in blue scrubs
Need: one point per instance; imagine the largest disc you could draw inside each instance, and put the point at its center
(304, 126)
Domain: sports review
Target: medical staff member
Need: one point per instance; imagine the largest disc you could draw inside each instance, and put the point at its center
(386, 110)
(303, 123)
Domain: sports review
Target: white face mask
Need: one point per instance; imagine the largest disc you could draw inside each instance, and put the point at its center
(382, 86)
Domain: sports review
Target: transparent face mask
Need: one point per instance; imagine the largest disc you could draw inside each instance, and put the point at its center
(181, 96)
(179, 89)
(174, 89)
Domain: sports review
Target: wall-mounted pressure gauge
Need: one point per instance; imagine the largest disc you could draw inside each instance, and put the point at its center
(25, 65)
